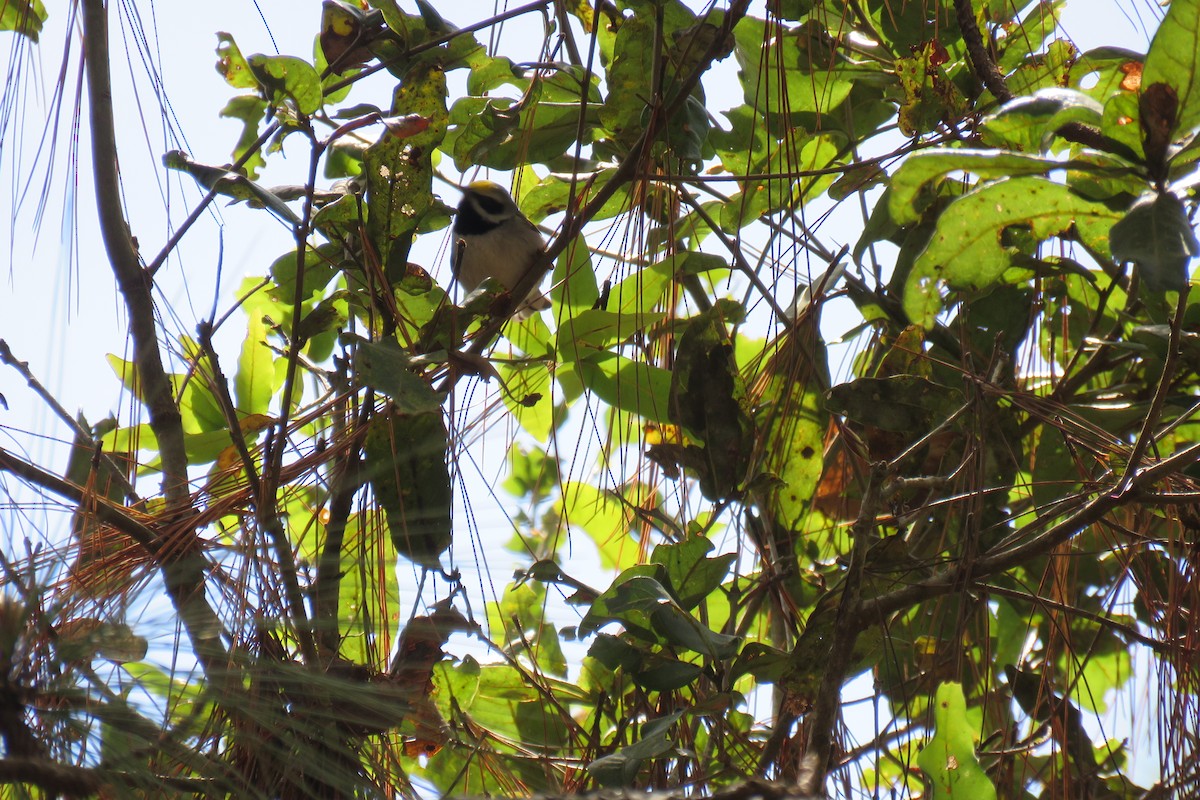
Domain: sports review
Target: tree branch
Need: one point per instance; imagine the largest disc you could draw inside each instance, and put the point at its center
(183, 568)
(103, 508)
(977, 54)
(846, 630)
(72, 781)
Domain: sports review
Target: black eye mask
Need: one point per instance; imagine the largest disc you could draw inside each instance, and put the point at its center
(488, 205)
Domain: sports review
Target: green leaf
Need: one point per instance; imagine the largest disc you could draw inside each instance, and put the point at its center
(291, 77)
(529, 396)
(661, 673)
(1120, 123)
(967, 250)
(949, 757)
(605, 520)
(387, 368)
(254, 383)
(232, 64)
(251, 110)
(591, 332)
(681, 629)
(399, 172)
(1029, 123)
(791, 413)
(1044, 70)
(708, 399)
(501, 133)
(359, 585)
(930, 97)
(621, 768)
(574, 281)
(629, 385)
(532, 474)
(693, 576)
(406, 464)
(796, 63)
(1173, 59)
(26, 17)
(1157, 236)
(639, 293)
(907, 404)
(627, 78)
(921, 168)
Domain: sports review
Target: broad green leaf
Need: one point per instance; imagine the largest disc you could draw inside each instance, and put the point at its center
(930, 97)
(789, 69)
(967, 250)
(643, 290)
(681, 629)
(906, 26)
(518, 623)
(1047, 69)
(1157, 236)
(1029, 123)
(1120, 123)
(529, 395)
(500, 133)
(708, 399)
(921, 168)
(949, 757)
(552, 195)
(399, 172)
(624, 112)
(604, 519)
(621, 768)
(574, 281)
(661, 673)
(387, 368)
(254, 383)
(291, 77)
(1173, 59)
(320, 267)
(626, 384)
(232, 64)
(906, 404)
(591, 332)
(532, 473)
(791, 415)
(251, 110)
(359, 584)
(692, 574)
(26, 17)
(406, 464)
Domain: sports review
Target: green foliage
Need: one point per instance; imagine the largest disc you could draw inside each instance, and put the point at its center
(966, 499)
(948, 759)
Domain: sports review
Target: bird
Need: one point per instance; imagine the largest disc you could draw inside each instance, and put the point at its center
(493, 239)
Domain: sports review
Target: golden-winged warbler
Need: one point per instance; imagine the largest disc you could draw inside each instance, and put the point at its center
(496, 241)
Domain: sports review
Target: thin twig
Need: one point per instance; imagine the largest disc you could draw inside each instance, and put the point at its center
(81, 433)
(1154, 414)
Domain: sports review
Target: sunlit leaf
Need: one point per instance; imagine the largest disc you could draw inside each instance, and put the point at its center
(949, 757)
(967, 251)
(1173, 59)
